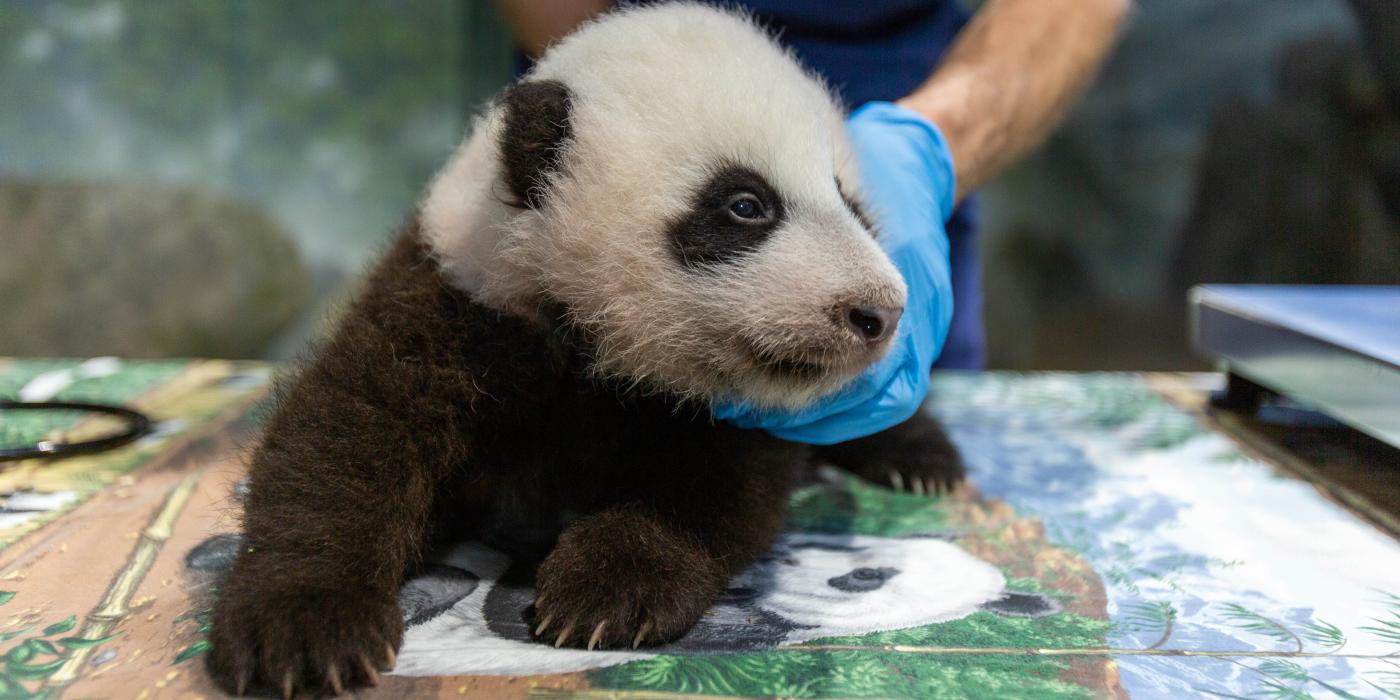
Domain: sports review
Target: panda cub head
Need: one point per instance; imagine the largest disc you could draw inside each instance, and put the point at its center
(684, 190)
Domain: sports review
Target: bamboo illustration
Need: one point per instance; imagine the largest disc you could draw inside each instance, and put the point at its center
(113, 608)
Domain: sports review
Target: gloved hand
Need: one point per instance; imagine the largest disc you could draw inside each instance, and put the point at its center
(908, 175)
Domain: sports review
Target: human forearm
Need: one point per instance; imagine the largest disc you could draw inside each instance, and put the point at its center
(1010, 76)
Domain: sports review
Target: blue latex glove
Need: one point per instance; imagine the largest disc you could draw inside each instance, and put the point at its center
(908, 175)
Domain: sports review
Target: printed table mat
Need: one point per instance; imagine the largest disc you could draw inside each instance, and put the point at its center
(1110, 545)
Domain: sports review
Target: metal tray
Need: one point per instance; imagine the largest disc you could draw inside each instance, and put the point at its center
(1333, 348)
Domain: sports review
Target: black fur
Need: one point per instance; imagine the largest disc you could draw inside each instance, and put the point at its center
(710, 234)
(536, 130)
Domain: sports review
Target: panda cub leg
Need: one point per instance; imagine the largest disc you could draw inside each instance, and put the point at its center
(915, 456)
(642, 570)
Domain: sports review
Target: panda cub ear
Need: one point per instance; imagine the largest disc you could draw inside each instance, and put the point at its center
(535, 132)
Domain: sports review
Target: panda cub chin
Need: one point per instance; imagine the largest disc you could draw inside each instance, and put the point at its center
(662, 213)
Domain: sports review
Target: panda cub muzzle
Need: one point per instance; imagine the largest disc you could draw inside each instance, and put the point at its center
(740, 233)
(829, 306)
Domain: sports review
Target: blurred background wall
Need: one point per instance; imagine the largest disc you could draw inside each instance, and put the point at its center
(204, 178)
(1224, 141)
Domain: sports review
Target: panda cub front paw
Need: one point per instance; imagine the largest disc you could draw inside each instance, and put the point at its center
(317, 642)
(619, 580)
(915, 456)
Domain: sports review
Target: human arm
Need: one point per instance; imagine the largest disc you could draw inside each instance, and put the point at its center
(1009, 78)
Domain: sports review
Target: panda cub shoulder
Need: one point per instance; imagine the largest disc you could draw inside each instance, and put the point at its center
(662, 213)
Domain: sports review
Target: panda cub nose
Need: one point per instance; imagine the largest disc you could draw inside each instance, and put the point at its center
(872, 323)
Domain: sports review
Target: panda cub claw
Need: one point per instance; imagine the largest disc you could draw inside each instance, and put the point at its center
(603, 635)
(913, 457)
(611, 623)
(287, 643)
(923, 486)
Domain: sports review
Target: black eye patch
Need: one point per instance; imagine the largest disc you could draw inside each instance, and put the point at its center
(731, 214)
(862, 580)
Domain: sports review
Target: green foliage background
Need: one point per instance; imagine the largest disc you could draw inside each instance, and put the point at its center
(331, 115)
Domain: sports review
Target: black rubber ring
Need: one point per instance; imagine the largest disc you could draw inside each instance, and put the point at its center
(137, 425)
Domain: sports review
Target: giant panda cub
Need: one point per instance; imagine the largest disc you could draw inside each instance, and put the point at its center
(662, 213)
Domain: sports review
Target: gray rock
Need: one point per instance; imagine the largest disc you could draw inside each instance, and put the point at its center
(140, 271)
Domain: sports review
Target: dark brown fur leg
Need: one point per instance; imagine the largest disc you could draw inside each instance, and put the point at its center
(622, 578)
(339, 506)
(915, 456)
(344, 485)
(642, 572)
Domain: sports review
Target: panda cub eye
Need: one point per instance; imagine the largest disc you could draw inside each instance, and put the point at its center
(746, 207)
(731, 214)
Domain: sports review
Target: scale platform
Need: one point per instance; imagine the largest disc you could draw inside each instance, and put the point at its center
(1335, 349)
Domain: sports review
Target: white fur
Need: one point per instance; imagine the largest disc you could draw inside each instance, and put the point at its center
(661, 97)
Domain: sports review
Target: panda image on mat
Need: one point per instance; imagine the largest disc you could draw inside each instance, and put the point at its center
(663, 214)
(466, 611)
(808, 587)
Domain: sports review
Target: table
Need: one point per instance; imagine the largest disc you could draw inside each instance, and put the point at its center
(1138, 546)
